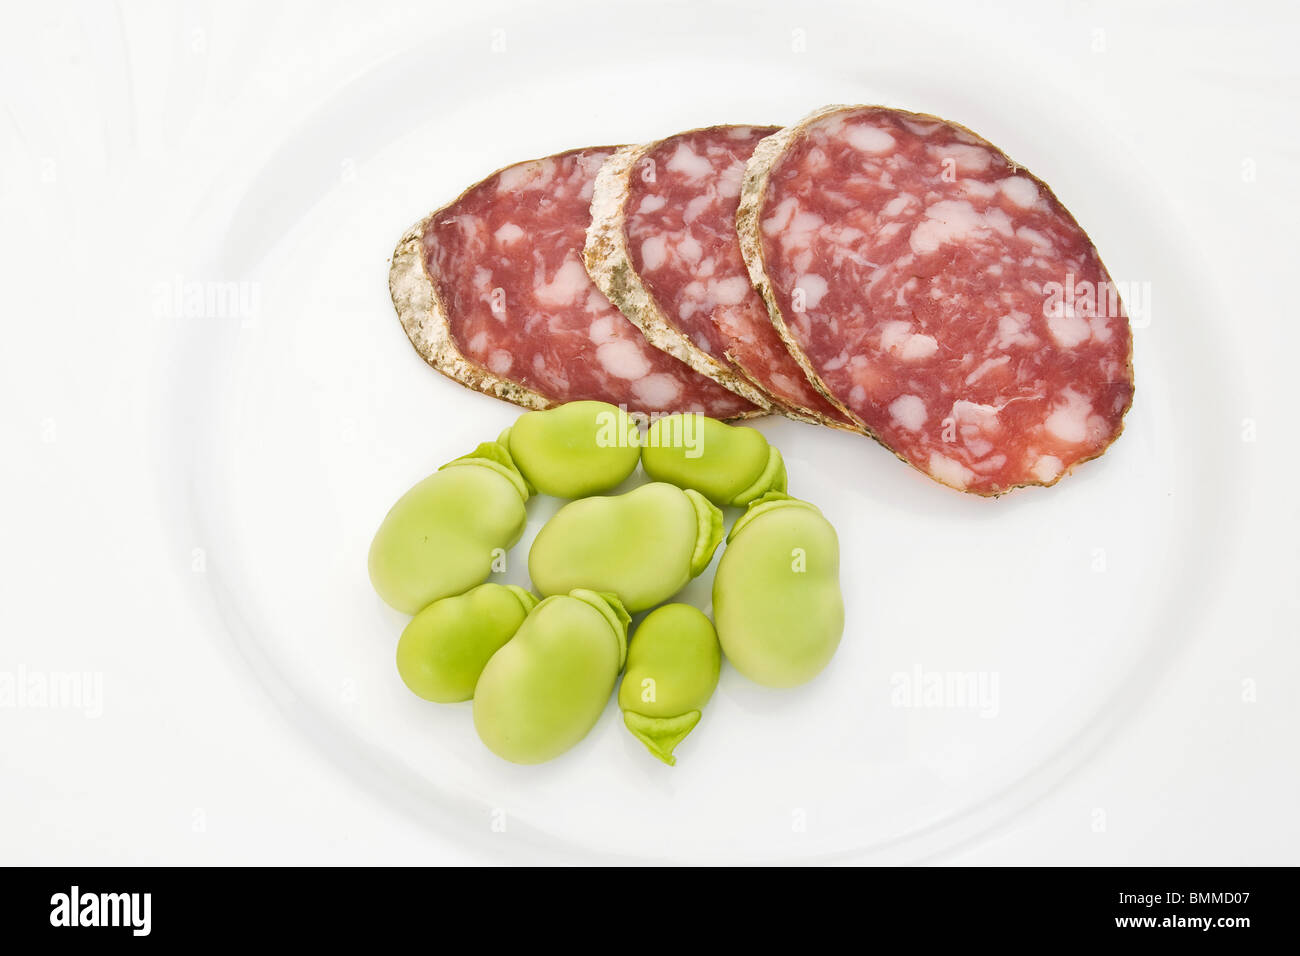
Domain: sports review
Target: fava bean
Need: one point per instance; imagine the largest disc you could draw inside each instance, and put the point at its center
(444, 535)
(545, 689)
(728, 464)
(776, 596)
(672, 669)
(642, 546)
(445, 647)
(574, 450)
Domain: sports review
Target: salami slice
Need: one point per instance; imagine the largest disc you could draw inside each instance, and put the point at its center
(940, 294)
(492, 292)
(662, 246)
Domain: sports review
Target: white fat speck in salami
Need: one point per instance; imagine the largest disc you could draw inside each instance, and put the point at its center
(908, 411)
(493, 292)
(663, 247)
(939, 294)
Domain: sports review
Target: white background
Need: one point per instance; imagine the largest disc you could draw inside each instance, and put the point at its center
(120, 118)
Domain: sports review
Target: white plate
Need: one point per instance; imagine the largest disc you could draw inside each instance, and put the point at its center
(298, 424)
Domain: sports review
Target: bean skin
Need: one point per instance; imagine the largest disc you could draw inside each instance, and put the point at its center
(673, 663)
(643, 546)
(576, 449)
(730, 465)
(776, 596)
(543, 691)
(444, 535)
(445, 647)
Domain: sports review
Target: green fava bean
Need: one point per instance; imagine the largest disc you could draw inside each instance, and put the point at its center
(574, 450)
(643, 546)
(445, 647)
(672, 669)
(728, 464)
(546, 688)
(443, 536)
(776, 596)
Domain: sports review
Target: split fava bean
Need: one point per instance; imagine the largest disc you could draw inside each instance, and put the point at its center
(672, 669)
(445, 534)
(728, 464)
(776, 596)
(543, 691)
(574, 450)
(445, 647)
(643, 546)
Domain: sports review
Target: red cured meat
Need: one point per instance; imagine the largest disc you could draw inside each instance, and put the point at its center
(506, 261)
(681, 234)
(943, 296)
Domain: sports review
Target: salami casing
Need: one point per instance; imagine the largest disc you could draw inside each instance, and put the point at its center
(662, 246)
(939, 294)
(492, 292)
